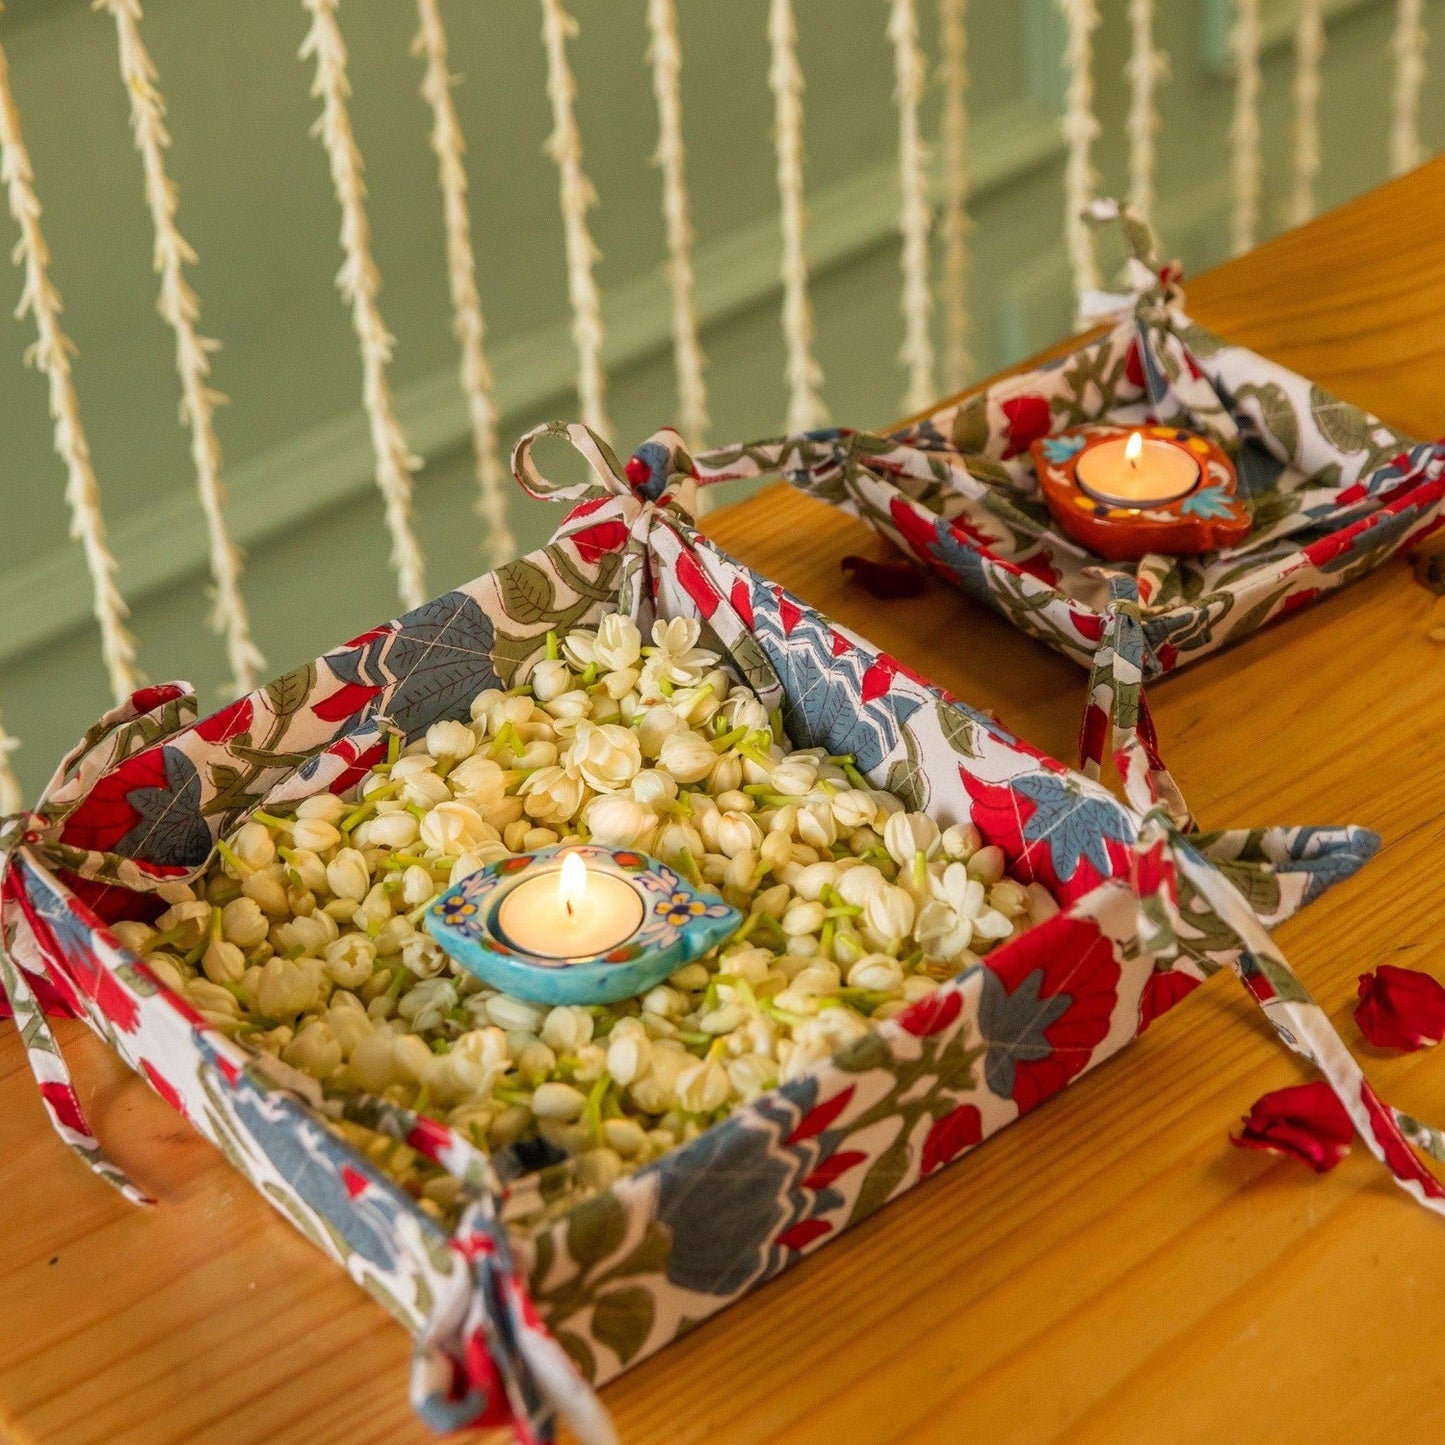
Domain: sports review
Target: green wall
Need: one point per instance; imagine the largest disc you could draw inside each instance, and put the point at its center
(256, 204)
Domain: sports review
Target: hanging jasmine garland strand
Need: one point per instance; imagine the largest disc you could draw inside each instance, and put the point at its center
(954, 222)
(578, 197)
(50, 354)
(785, 80)
(1309, 47)
(1409, 47)
(915, 217)
(1244, 163)
(468, 326)
(180, 308)
(665, 54)
(1146, 68)
(360, 283)
(1081, 129)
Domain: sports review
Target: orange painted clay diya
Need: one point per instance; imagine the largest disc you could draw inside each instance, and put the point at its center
(1124, 491)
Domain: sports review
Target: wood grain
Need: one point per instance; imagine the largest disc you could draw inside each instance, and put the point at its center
(1108, 1269)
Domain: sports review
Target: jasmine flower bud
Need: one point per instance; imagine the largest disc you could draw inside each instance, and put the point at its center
(674, 837)
(315, 834)
(906, 835)
(350, 960)
(455, 827)
(1042, 904)
(618, 821)
(550, 678)
(325, 807)
(513, 1014)
(618, 644)
(425, 790)
(608, 757)
(816, 827)
(552, 794)
(450, 740)
(653, 789)
(426, 1004)
(877, 973)
(626, 1136)
(223, 962)
(243, 923)
(558, 1101)
(802, 917)
(629, 1057)
(314, 1051)
(658, 724)
(987, 865)
(853, 809)
(479, 780)
(347, 875)
(567, 1029)
(889, 913)
(288, 987)
(795, 776)
(961, 841)
(254, 845)
(417, 886)
(703, 1087)
(390, 830)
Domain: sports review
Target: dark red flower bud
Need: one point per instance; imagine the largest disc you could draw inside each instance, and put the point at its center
(1306, 1121)
(1400, 1008)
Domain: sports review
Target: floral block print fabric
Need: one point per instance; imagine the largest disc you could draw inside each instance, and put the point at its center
(515, 1318)
(1332, 490)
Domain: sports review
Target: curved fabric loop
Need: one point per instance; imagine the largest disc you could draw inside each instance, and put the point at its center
(485, 1358)
(600, 458)
(659, 471)
(1303, 1026)
(1179, 394)
(57, 1091)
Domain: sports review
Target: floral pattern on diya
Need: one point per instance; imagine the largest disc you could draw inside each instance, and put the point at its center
(679, 923)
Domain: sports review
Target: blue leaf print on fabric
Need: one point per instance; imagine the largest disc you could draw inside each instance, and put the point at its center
(1013, 1025)
(1072, 824)
(310, 1160)
(1207, 502)
(824, 706)
(171, 829)
(1060, 449)
(436, 661)
(729, 1194)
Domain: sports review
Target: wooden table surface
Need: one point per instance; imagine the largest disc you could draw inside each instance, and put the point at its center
(1108, 1269)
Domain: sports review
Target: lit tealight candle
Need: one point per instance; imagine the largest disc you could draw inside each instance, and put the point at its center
(570, 912)
(1137, 471)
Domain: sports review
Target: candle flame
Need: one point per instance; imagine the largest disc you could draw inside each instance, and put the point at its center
(572, 882)
(1133, 447)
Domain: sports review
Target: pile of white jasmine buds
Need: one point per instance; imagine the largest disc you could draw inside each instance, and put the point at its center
(306, 941)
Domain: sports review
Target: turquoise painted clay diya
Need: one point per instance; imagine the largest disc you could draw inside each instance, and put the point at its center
(578, 924)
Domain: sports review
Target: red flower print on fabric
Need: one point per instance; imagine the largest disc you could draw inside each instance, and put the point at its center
(1046, 1003)
(949, 1137)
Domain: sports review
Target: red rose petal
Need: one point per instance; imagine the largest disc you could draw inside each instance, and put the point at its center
(1400, 1008)
(1306, 1121)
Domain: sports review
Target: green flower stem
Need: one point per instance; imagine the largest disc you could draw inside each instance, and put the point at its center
(271, 821)
(728, 739)
(855, 777)
(232, 857)
(686, 864)
(552, 650)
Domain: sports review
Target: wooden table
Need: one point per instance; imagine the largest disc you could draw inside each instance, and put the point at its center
(1109, 1268)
